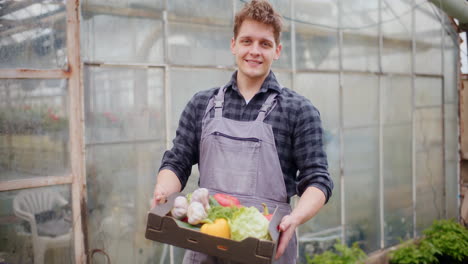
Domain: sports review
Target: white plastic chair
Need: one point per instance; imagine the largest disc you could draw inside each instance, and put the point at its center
(26, 205)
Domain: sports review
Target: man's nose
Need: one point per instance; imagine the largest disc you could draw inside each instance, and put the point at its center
(255, 49)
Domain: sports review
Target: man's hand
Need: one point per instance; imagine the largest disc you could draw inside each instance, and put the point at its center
(159, 195)
(167, 183)
(288, 228)
(311, 201)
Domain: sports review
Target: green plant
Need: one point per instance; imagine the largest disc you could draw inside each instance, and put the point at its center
(422, 252)
(443, 239)
(450, 238)
(342, 254)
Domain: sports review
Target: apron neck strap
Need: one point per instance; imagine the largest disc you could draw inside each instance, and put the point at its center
(269, 104)
(219, 102)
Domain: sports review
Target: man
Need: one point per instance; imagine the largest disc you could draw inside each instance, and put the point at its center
(252, 136)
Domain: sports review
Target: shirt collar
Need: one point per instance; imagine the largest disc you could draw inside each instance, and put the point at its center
(270, 83)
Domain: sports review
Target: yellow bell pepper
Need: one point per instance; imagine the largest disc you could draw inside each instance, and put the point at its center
(219, 228)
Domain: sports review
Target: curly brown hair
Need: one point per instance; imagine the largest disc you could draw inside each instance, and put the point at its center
(261, 11)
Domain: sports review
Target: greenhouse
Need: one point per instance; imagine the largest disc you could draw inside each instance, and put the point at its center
(91, 93)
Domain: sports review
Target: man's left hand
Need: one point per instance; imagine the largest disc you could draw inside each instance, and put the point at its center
(288, 228)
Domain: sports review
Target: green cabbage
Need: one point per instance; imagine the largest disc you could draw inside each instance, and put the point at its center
(249, 222)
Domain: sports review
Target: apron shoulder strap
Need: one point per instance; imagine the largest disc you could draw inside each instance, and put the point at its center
(217, 102)
(267, 107)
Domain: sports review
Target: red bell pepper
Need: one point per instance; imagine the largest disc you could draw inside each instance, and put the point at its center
(226, 200)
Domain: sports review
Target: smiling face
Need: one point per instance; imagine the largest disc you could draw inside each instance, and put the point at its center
(255, 49)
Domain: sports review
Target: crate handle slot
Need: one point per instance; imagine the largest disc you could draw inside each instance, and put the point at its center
(191, 240)
(221, 247)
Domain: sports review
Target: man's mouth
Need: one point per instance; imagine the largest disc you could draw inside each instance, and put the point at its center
(253, 62)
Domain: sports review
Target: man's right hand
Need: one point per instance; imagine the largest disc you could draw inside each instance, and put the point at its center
(167, 183)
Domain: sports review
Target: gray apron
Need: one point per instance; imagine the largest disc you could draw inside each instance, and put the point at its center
(239, 158)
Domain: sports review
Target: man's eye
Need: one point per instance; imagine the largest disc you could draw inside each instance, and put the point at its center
(266, 44)
(245, 41)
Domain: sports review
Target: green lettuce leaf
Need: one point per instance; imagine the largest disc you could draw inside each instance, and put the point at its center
(219, 211)
(249, 222)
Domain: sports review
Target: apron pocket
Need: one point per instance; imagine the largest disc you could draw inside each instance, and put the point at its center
(233, 165)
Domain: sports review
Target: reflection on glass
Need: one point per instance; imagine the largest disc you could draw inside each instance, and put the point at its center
(33, 34)
(362, 207)
(397, 39)
(396, 99)
(36, 226)
(316, 34)
(450, 67)
(284, 78)
(33, 128)
(316, 48)
(428, 39)
(284, 60)
(360, 100)
(428, 128)
(198, 44)
(120, 183)
(428, 91)
(135, 31)
(124, 104)
(451, 159)
(360, 42)
(210, 12)
(398, 191)
(429, 187)
(186, 82)
(320, 233)
(429, 167)
(323, 92)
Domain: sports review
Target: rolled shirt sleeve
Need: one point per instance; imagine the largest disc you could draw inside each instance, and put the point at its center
(308, 151)
(184, 152)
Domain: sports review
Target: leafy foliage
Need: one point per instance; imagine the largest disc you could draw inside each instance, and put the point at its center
(415, 253)
(445, 238)
(342, 255)
(450, 238)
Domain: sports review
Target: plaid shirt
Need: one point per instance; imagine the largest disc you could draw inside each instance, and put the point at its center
(296, 127)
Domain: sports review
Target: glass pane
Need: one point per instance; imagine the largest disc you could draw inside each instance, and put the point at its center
(451, 57)
(326, 99)
(33, 128)
(398, 182)
(33, 34)
(120, 183)
(396, 99)
(362, 207)
(451, 159)
(428, 128)
(206, 12)
(396, 30)
(316, 35)
(53, 219)
(428, 91)
(124, 104)
(134, 29)
(198, 44)
(360, 100)
(284, 60)
(429, 167)
(428, 39)
(185, 83)
(361, 42)
(283, 78)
